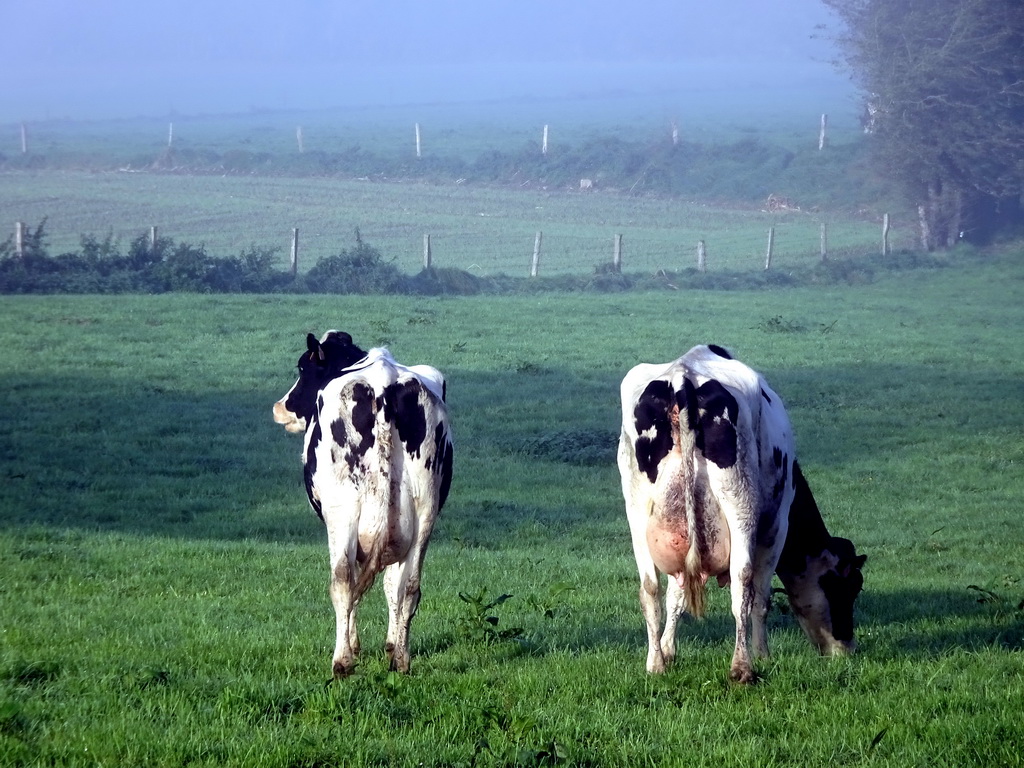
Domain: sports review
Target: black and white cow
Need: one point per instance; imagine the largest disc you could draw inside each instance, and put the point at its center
(712, 488)
(378, 467)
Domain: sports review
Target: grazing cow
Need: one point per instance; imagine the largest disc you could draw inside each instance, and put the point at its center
(712, 488)
(378, 466)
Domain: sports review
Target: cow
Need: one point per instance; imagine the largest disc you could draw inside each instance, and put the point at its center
(377, 460)
(712, 489)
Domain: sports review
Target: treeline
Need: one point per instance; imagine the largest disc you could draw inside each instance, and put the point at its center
(748, 169)
(165, 266)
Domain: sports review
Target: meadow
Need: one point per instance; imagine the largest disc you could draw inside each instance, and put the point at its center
(163, 586)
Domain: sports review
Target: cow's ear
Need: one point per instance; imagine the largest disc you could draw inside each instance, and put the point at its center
(316, 352)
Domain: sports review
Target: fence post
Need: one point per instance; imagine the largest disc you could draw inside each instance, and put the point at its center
(418, 153)
(824, 242)
(24, 139)
(298, 138)
(170, 134)
(19, 239)
(675, 133)
(885, 234)
(295, 252)
(771, 246)
(702, 257)
(544, 141)
(617, 254)
(426, 252)
(152, 239)
(821, 132)
(535, 266)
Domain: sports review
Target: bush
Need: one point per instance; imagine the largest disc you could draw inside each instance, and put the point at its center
(360, 269)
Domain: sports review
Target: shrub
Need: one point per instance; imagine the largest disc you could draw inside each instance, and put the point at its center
(360, 269)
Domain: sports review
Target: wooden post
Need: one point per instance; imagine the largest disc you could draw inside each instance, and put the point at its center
(544, 141)
(771, 247)
(295, 251)
(418, 153)
(617, 254)
(298, 139)
(152, 239)
(824, 242)
(885, 234)
(702, 257)
(426, 252)
(170, 134)
(19, 239)
(24, 140)
(821, 133)
(535, 266)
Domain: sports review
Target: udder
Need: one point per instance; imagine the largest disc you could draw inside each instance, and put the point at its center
(668, 545)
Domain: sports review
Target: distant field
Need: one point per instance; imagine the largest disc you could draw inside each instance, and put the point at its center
(485, 230)
(482, 228)
(163, 586)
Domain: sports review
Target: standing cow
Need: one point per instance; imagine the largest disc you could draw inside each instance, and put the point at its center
(712, 488)
(378, 465)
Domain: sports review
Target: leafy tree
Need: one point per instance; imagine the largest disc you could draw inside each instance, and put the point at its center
(944, 84)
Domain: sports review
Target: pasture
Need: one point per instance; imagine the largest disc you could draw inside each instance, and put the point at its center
(163, 584)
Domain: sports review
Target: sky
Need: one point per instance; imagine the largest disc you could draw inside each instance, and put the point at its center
(91, 59)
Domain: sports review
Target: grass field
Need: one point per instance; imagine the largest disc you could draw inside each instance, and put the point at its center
(163, 586)
(485, 231)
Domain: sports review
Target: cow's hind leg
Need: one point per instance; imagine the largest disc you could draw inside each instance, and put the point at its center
(402, 589)
(741, 587)
(345, 617)
(342, 544)
(674, 601)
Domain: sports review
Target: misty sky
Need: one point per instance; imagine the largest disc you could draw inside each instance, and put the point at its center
(118, 58)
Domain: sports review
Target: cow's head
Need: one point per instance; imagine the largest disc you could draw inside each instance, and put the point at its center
(322, 361)
(823, 594)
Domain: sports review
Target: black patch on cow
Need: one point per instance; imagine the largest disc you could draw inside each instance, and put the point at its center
(309, 467)
(765, 396)
(652, 411)
(781, 461)
(807, 535)
(711, 412)
(338, 431)
(402, 407)
(443, 463)
(720, 351)
(363, 420)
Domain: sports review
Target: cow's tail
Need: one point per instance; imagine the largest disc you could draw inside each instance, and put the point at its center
(377, 501)
(693, 578)
(686, 438)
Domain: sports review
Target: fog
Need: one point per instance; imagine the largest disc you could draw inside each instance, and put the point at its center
(125, 58)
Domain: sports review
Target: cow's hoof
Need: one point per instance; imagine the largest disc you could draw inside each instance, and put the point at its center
(743, 675)
(342, 670)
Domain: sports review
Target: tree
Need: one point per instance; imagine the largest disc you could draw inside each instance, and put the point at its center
(944, 81)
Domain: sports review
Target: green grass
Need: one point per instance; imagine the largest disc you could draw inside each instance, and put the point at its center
(163, 583)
